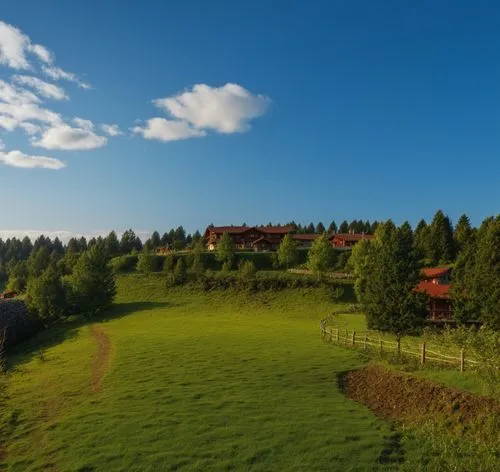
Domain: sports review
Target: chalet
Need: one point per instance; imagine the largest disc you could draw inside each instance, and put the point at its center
(257, 238)
(304, 240)
(348, 240)
(436, 283)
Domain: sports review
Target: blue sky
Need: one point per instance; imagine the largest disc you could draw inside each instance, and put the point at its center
(337, 110)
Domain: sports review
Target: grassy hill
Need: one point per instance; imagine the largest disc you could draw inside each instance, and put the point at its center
(178, 379)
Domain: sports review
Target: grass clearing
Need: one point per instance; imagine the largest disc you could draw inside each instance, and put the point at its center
(182, 380)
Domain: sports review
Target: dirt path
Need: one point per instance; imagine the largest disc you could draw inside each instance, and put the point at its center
(101, 362)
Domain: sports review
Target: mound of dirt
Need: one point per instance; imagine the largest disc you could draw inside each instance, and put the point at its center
(412, 400)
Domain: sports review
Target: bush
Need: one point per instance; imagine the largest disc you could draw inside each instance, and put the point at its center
(247, 270)
(148, 262)
(124, 263)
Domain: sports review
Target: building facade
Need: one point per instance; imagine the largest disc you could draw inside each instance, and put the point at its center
(436, 284)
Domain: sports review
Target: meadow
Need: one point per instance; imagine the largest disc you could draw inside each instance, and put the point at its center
(179, 379)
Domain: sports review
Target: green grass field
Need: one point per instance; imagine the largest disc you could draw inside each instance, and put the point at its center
(178, 380)
(174, 379)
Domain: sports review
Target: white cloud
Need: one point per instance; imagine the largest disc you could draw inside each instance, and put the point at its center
(65, 235)
(13, 45)
(65, 137)
(29, 112)
(30, 129)
(111, 130)
(42, 52)
(43, 88)
(167, 130)
(226, 109)
(8, 123)
(9, 94)
(25, 161)
(2, 145)
(84, 124)
(57, 73)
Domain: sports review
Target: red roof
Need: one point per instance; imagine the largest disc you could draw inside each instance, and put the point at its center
(262, 240)
(434, 272)
(434, 290)
(351, 236)
(305, 236)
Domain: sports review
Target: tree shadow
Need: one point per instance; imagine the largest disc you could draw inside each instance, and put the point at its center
(56, 334)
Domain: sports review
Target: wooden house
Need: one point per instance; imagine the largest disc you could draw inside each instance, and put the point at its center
(436, 284)
(348, 240)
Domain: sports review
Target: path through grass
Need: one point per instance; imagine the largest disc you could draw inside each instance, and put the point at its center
(177, 380)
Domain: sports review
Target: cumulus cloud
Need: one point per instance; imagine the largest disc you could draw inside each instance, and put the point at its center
(42, 52)
(13, 46)
(226, 109)
(57, 73)
(2, 145)
(25, 161)
(65, 137)
(43, 88)
(30, 129)
(167, 130)
(111, 130)
(10, 94)
(28, 112)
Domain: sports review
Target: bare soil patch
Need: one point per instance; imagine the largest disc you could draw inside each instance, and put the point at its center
(402, 397)
(101, 362)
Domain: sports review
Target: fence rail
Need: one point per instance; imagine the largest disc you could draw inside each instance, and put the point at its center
(366, 339)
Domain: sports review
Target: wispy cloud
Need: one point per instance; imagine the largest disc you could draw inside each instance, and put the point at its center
(43, 88)
(227, 109)
(112, 130)
(57, 73)
(25, 161)
(65, 137)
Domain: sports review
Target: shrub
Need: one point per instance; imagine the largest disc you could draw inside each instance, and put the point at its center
(124, 263)
(180, 275)
(148, 262)
(247, 270)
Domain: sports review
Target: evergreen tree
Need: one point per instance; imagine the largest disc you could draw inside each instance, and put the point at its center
(197, 262)
(310, 228)
(441, 250)
(46, 295)
(344, 227)
(320, 228)
(130, 242)
(92, 282)
(320, 256)
(112, 244)
(196, 236)
(288, 252)
(73, 246)
(82, 242)
(17, 276)
(155, 240)
(333, 227)
(476, 276)
(463, 233)
(26, 248)
(146, 262)
(390, 272)
(225, 250)
(38, 261)
(421, 240)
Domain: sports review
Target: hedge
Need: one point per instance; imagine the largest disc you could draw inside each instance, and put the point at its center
(16, 322)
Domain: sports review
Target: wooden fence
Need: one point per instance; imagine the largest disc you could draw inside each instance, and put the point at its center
(368, 340)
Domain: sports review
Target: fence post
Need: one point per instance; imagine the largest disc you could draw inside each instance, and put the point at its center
(366, 341)
(462, 360)
(422, 355)
(381, 345)
(331, 333)
(346, 335)
(338, 334)
(353, 337)
(399, 347)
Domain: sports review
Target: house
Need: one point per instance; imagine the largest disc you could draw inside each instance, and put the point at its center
(436, 284)
(304, 240)
(348, 240)
(257, 238)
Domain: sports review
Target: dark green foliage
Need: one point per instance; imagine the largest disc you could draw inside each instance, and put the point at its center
(441, 243)
(16, 322)
(112, 244)
(46, 296)
(169, 263)
(476, 289)
(247, 270)
(389, 270)
(129, 242)
(463, 233)
(225, 250)
(126, 263)
(38, 261)
(196, 258)
(288, 252)
(92, 283)
(17, 276)
(320, 228)
(342, 259)
(180, 273)
(333, 227)
(344, 227)
(155, 240)
(148, 262)
(421, 240)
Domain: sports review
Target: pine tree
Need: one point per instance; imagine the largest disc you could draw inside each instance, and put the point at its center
(390, 273)
(180, 274)
(344, 227)
(155, 240)
(441, 245)
(333, 227)
(112, 244)
(320, 228)
(310, 228)
(421, 240)
(463, 233)
(92, 283)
